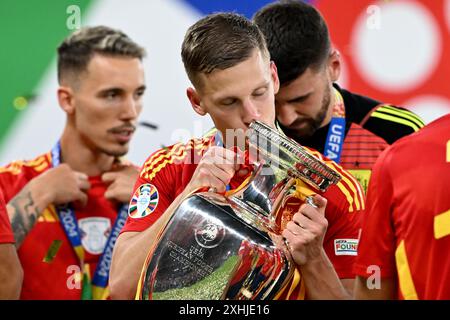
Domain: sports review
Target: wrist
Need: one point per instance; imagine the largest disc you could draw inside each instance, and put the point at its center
(317, 262)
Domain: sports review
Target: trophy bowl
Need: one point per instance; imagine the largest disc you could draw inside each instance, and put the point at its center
(229, 246)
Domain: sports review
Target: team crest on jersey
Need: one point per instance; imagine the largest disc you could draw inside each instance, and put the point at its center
(144, 201)
(94, 233)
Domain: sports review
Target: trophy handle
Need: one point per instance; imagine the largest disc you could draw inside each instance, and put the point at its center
(234, 192)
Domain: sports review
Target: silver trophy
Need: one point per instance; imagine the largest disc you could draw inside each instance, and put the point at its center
(228, 246)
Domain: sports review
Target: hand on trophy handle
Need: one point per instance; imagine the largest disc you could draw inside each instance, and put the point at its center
(305, 233)
(310, 200)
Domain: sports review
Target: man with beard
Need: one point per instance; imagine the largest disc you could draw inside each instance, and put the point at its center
(311, 108)
(67, 206)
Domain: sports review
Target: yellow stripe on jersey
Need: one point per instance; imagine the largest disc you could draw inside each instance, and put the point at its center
(448, 151)
(36, 162)
(150, 163)
(340, 185)
(302, 293)
(354, 185)
(442, 225)
(387, 117)
(165, 163)
(41, 167)
(165, 155)
(150, 171)
(161, 154)
(353, 191)
(345, 179)
(210, 133)
(15, 168)
(168, 156)
(405, 279)
(294, 283)
(149, 166)
(49, 215)
(348, 196)
(403, 113)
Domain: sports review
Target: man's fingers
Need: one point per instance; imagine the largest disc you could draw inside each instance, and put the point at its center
(83, 185)
(215, 183)
(224, 173)
(302, 221)
(109, 177)
(297, 237)
(315, 214)
(81, 175)
(220, 156)
(289, 238)
(109, 194)
(224, 152)
(320, 202)
(293, 228)
(111, 191)
(82, 199)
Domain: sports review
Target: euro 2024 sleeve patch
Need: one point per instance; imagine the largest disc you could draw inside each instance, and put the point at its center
(144, 201)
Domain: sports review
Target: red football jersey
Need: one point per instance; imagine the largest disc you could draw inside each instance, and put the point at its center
(166, 173)
(6, 234)
(58, 278)
(406, 229)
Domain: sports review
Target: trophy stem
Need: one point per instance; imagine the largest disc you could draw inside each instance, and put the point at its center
(258, 203)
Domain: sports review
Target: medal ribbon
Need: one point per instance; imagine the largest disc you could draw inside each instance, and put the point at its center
(97, 288)
(336, 132)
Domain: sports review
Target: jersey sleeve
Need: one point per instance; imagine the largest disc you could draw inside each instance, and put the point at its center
(154, 191)
(15, 175)
(13, 178)
(345, 207)
(377, 242)
(6, 234)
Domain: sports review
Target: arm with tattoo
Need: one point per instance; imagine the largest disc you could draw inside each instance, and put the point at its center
(55, 186)
(23, 215)
(24, 210)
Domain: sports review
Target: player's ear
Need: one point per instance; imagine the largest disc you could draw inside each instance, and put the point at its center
(66, 99)
(275, 79)
(334, 65)
(195, 101)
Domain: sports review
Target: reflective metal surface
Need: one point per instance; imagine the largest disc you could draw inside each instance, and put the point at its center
(227, 247)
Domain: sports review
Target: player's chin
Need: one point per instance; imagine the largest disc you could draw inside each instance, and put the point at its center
(118, 150)
(303, 130)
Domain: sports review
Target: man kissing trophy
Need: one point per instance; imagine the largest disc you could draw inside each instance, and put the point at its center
(230, 246)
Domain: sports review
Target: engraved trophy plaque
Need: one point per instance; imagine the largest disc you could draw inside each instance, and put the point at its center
(224, 246)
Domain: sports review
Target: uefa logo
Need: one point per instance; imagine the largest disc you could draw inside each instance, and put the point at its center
(209, 234)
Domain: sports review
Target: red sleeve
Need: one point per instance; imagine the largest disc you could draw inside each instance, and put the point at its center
(17, 174)
(153, 192)
(377, 243)
(6, 234)
(341, 239)
(345, 208)
(13, 178)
